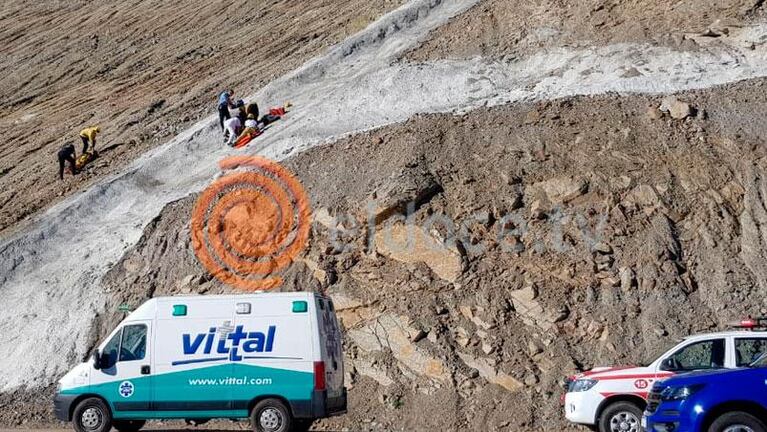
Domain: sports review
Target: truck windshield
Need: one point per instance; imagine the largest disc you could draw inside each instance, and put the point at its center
(657, 352)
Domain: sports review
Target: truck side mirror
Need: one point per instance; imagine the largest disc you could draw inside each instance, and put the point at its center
(96, 360)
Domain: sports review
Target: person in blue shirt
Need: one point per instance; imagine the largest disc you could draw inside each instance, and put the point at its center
(224, 103)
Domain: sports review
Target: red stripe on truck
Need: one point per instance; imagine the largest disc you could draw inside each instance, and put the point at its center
(637, 376)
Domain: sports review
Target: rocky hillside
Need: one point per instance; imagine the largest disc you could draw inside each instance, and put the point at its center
(502, 29)
(545, 238)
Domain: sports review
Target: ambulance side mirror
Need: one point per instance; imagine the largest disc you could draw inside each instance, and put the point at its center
(96, 360)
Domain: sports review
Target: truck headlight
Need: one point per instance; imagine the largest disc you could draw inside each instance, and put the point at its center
(680, 393)
(581, 385)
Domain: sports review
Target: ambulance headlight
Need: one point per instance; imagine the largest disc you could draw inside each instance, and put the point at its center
(680, 392)
(581, 385)
(58, 387)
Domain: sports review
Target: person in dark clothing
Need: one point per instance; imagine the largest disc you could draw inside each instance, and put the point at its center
(67, 154)
(224, 103)
(252, 109)
(241, 111)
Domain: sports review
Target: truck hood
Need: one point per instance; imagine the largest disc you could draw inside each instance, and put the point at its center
(703, 376)
(605, 371)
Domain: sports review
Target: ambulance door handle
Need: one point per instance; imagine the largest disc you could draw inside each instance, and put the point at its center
(145, 370)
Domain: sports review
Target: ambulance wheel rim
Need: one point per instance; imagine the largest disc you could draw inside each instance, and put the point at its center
(624, 421)
(738, 428)
(91, 418)
(270, 419)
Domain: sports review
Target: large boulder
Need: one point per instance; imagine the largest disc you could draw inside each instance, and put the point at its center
(410, 243)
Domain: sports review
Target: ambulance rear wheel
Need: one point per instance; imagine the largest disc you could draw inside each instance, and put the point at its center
(128, 425)
(92, 415)
(271, 415)
(621, 417)
(737, 422)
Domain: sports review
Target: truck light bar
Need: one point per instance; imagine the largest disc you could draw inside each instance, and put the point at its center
(750, 323)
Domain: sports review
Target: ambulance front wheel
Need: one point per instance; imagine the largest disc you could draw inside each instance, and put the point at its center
(271, 415)
(92, 415)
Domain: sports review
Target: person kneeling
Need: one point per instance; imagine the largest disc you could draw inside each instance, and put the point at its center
(233, 127)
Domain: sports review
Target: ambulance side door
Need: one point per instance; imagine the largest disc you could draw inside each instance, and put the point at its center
(125, 376)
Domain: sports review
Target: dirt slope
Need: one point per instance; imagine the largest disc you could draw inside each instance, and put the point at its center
(144, 70)
(512, 29)
(593, 227)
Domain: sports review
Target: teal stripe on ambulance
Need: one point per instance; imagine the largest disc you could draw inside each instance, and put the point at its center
(230, 382)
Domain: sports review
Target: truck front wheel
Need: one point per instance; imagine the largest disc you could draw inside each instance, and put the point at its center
(621, 417)
(92, 415)
(737, 422)
(271, 415)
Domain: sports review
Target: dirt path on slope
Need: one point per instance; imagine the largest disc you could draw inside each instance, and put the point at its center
(142, 70)
(509, 29)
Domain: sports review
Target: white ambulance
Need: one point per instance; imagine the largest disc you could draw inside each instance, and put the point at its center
(275, 358)
(612, 399)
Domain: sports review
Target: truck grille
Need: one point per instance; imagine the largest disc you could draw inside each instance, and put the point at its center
(653, 399)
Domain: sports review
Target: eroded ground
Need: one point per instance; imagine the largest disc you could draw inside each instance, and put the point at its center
(508, 30)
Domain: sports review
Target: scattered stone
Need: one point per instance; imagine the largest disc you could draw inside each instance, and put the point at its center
(631, 72)
(419, 336)
(627, 278)
(466, 311)
(323, 217)
(654, 113)
(534, 348)
(411, 244)
(643, 196)
(489, 372)
(412, 186)
(711, 33)
(530, 379)
(394, 333)
(529, 309)
(561, 190)
(368, 369)
(537, 210)
(487, 348)
(602, 248)
(532, 117)
(676, 108)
